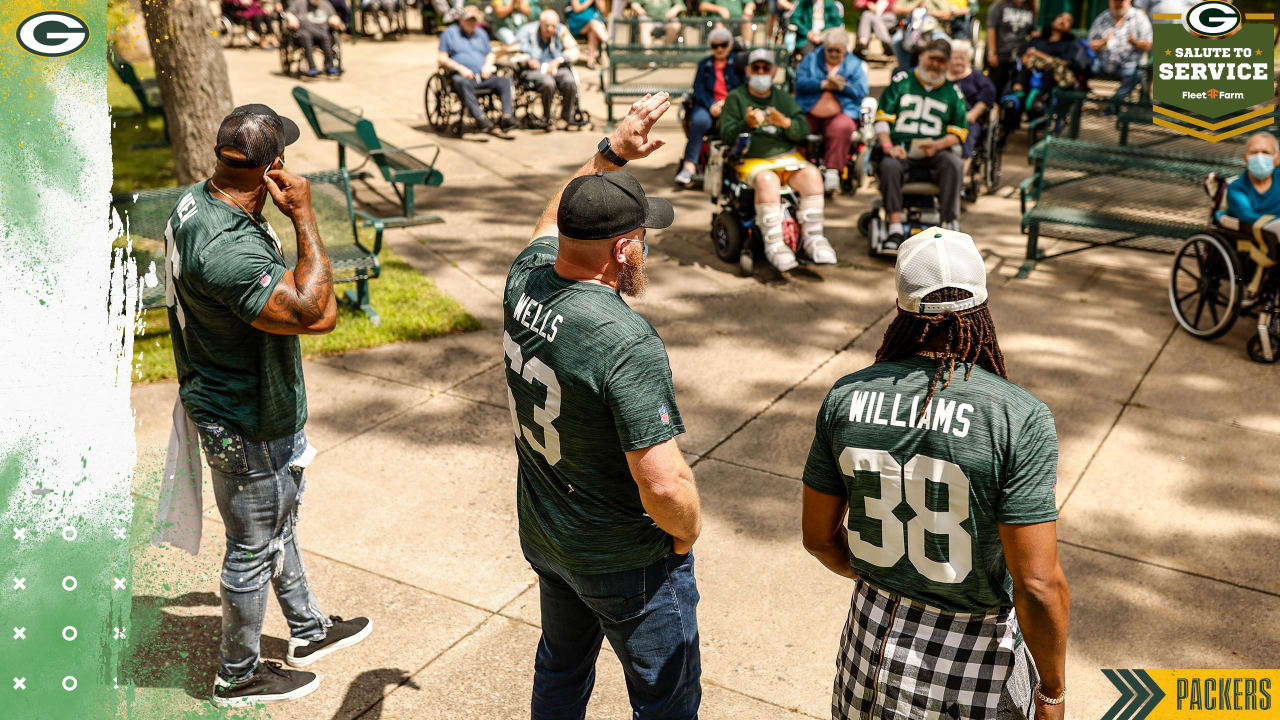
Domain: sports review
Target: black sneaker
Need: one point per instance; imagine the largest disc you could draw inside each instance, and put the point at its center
(891, 243)
(269, 683)
(341, 634)
(507, 122)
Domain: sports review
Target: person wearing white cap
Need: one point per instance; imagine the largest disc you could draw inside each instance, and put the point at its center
(776, 125)
(946, 473)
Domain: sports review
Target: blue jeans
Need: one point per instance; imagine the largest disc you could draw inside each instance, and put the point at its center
(650, 617)
(699, 125)
(258, 491)
(1126, 72)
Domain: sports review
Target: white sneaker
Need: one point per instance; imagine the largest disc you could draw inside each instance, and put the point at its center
(684, 177)
(820, 250)
(830, 180)
(953, 225)
(780, 256)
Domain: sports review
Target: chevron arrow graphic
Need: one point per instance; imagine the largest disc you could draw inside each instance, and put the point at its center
(1139, 694)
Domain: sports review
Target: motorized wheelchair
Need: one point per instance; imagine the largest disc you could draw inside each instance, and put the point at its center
(1225, 272)
(920, 207)
(734, 234)
(292, 53)
(854, 172)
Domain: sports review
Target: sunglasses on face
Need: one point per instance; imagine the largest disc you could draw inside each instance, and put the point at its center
(719, 45)
(761, 68)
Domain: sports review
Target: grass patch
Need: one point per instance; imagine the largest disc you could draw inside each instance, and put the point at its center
(411, 306)
(136, 167)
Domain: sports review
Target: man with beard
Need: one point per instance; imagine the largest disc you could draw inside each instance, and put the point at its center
(920, 118)
(607, 505)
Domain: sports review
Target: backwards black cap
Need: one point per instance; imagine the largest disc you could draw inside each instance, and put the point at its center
(258, 132)
(608, 205)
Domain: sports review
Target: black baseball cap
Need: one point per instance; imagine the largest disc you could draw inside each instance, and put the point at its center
(608, 205)
(258, 132)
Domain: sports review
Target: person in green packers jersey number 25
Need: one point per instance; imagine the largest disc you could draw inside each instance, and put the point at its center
(607, 505)
(946, 473)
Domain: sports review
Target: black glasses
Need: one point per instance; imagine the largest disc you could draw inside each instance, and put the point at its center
(719, 45)
(761, 68)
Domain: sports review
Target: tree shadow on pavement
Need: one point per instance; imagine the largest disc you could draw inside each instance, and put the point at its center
(370, 683)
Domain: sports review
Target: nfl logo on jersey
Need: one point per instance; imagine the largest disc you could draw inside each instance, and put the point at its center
(665, 415)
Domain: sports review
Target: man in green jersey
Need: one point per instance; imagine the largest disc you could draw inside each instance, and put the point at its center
(946, 473)
(776, 125)
(235, 312)
(920, 123)
(607, 505)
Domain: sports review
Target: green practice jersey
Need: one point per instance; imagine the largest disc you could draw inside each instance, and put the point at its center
(926, 492)
(588, 381)
(916, 112)
(222, 266)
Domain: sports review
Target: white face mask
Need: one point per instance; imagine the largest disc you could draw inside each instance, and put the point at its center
(760, 83)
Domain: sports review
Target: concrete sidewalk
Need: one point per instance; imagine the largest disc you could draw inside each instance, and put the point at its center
(1166, 481)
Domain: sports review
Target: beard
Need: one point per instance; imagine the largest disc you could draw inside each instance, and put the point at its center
(632, 277)
(930, 78)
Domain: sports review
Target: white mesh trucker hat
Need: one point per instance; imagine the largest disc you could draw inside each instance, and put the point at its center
(934, 259)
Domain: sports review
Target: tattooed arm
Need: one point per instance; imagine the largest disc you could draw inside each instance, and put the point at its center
(303, 302)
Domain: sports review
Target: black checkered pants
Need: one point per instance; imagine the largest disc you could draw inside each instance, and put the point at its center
(900, 659)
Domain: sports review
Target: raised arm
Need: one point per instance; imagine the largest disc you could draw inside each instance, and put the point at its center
(667, 492)
(1043, 603)
(302, 302)
(630, 140)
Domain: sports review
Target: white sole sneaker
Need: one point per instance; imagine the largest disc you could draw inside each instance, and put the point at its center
(313, 657)
(294, 694)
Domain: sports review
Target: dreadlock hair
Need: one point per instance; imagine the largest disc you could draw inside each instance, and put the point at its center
(967, 336)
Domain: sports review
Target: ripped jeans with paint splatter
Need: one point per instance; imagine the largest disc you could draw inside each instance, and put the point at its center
(258, 486)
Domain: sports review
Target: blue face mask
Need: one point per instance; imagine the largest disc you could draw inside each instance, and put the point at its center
(1261, 165)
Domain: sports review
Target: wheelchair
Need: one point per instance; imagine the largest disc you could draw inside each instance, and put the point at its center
(983, 176)
(292, 54)
(447, 115)
(920, 208)
(1223, 273)
(734, 234)
(229, 26)
(854, 173)
(527, 103)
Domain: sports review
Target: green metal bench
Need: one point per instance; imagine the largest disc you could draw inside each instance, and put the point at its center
(354, 257)
(397, 165)
(148, 94)
(1113, 196)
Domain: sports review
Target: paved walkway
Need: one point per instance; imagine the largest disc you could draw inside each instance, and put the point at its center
(1168, 532)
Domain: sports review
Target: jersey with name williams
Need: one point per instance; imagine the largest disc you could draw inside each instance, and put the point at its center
(587, 380)
(928, 483)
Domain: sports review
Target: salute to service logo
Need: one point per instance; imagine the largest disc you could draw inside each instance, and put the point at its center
(1213, 73)
(52, 34)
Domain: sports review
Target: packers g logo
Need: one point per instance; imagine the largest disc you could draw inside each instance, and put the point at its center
(52, 34)
(1212, 19)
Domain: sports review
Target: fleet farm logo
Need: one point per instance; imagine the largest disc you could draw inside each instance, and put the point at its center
(1213, 72)
(1194, 694)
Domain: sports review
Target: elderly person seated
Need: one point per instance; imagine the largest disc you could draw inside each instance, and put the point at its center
(508, 17)
(812, 18)
(715, 78)
(547, 68)
(1052, 54)
(466, 51)
(877, 16)
(250, 14)
(311, 20)
(978, 92)
(745, 9)
(663, 11)
(583, 18)
(830, 85)
(921, 116)
(385, 14)
(1119, 37)
(1254, 197)
(776, 125)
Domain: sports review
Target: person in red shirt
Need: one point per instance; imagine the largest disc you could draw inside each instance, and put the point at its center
(714, 79)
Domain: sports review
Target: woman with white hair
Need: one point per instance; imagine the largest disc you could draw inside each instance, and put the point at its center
(830, 85)
(978, 91)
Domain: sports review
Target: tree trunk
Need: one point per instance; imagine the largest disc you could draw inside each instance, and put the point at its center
(192, 76)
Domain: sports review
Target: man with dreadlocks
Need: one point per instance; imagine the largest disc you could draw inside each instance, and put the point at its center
(946, 471)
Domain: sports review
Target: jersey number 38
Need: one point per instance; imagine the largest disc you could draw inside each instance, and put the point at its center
(897, 538)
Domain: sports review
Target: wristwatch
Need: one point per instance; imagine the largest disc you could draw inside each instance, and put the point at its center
(609, 154)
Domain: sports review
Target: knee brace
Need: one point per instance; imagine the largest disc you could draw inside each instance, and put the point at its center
(811, 215)
(769, 218)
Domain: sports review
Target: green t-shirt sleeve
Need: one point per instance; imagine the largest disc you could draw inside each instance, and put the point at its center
(733, 118)
(240, 272)
(641, 395)
(821, 472)
(1031, 473)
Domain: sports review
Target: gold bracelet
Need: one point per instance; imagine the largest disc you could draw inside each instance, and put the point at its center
(1048, 700)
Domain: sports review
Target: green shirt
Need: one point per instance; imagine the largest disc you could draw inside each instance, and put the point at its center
(914, 111)
(656, 9)
(926, 493)
(222, 267)
(768, 139)
(587, 380)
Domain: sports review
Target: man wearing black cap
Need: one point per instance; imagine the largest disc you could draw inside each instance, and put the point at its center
(607, 505)
(235, 311)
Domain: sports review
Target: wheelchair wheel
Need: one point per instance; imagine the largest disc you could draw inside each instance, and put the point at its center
(225, 28)
(286, 49)
(864, 223)
(1254, 348)
(991, 168)
(440, 103)
(727, 236)
(1204, 287)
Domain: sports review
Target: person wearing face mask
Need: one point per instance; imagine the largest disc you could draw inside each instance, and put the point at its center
(1254, 197)
(715, 77)
(776, 125)
(920, 117)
